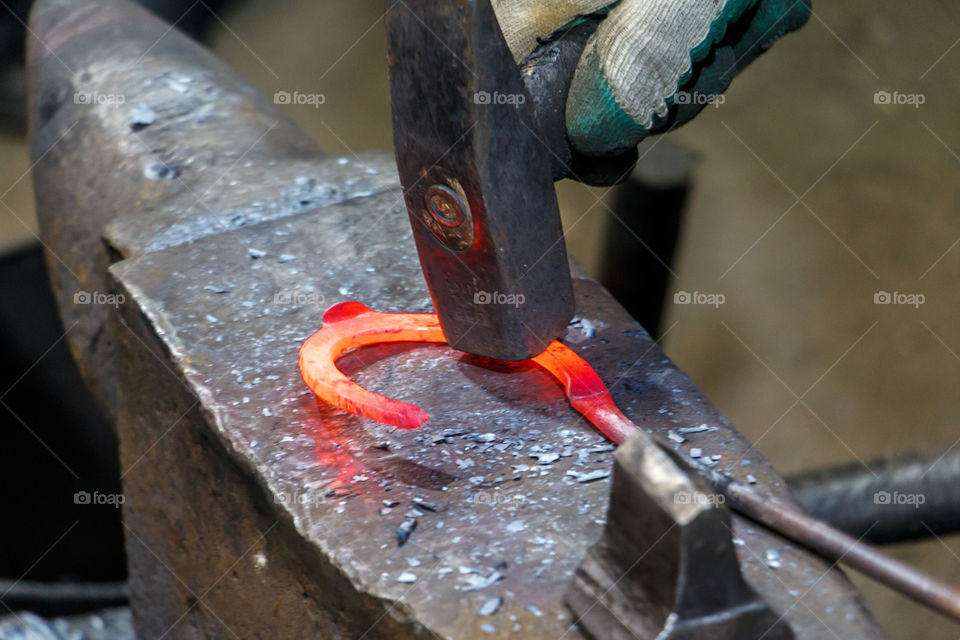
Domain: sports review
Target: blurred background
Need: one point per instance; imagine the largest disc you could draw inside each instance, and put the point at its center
(812, 195)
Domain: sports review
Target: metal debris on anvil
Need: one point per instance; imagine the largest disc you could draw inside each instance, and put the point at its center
(407, 578)
(773, 558)
(423, 504)
(700, 429)
(142, 116)
(475, 582)
(584, 478)
(404, 530)
(490, 606)
(545, 457)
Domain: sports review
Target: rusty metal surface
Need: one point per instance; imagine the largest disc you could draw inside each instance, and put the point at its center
(329, 472)
(143, 129)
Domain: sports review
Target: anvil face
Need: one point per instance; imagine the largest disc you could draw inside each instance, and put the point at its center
(476, 181)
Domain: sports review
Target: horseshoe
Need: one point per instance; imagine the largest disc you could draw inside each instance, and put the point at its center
(349, 325)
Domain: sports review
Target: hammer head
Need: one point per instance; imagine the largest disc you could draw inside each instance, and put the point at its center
(476, 180)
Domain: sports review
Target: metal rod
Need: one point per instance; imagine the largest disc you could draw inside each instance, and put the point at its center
(909, 497)
(838, 546)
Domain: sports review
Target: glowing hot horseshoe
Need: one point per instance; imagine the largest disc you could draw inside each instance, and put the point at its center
(349, 325)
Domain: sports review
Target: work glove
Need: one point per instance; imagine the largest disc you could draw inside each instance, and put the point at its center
(651, 65)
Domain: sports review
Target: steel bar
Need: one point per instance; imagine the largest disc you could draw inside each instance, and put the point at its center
(886, 501)
(843, 548)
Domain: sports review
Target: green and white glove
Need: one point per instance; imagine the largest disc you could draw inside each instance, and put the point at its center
(652, 64)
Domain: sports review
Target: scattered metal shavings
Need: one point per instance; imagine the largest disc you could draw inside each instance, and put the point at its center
(407, 578)
(752, 479)
(382, 446)
(587, 328)
(535, 611)
(490, 607)
(488, 628)
(696, 452)
(284, 258)
(484, 437)
(339, 492)
(545, 458)
(256, 254)
(384, 510)
(700, 429)
(162, 171)
(391, 503)
(516, 526)
(413, 513)
(141, 117)
(476, 582)
(601, 448)
(675, 437)
(423, 504)
(217, 289)
(404, 530)
(773, 558)
(584, 478)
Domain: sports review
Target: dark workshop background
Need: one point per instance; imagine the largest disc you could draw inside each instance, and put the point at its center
(808, 199)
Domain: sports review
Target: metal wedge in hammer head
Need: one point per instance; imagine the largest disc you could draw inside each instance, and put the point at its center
(665, 568)
(476, 180)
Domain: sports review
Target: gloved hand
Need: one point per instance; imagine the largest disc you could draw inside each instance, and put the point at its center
(652, 64)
